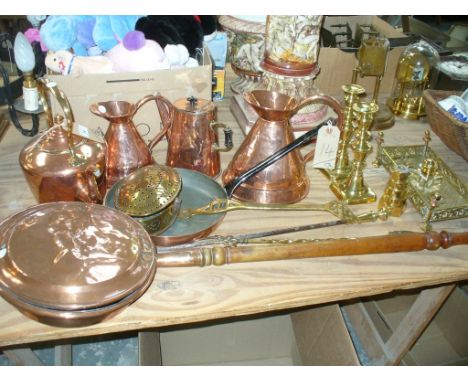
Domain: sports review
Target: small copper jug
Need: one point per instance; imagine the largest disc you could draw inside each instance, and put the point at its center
(192, 140)
(286, 180)
(59, 165)
(126, 149)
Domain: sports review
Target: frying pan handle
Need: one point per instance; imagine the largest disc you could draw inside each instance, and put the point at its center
(303, 139)
(329, 101)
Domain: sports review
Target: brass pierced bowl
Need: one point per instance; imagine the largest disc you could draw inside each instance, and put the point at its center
(150, 196)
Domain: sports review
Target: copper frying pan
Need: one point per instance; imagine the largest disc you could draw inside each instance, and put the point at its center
(198, 190)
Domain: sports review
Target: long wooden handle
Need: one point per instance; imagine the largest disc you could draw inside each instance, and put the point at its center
(398, 242)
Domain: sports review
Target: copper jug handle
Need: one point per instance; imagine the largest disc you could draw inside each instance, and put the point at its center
(329, 101)
(166, 112)
(52, 88)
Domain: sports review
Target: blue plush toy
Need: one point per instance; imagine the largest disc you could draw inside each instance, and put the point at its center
(110, 30)
(84, 34)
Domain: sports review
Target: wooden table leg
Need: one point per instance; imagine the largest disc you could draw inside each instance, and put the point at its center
(63, 355)
(149, 349)
(22, 357)
(404, 336)
(413, 324)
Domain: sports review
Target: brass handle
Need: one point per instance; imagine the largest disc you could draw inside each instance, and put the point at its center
(52, 88)
(336, 208)
(227, 137)
(329, 101)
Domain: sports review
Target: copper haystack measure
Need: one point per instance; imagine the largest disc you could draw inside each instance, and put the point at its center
(59, 165)
(286, 180)
(126, 149)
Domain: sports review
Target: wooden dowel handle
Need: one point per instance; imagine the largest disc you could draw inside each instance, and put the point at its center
(400, 242)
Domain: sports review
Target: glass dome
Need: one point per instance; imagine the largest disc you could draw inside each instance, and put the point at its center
(417, 70)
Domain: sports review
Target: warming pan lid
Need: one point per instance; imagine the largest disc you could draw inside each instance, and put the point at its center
(73, 255)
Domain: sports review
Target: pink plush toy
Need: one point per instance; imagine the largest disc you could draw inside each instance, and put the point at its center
(136, 54)
(67, 63)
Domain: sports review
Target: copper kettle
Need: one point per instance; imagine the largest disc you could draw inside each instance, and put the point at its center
(286, 180)
(192, 139)
(59, 165)
(126, 149)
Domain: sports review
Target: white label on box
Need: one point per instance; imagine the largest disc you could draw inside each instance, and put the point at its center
(326, 147)
(85, 132)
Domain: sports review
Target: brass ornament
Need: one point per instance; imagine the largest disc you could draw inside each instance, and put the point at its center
(434, 190)
(372, 62)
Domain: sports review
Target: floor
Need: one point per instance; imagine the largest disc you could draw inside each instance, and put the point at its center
(119, 351)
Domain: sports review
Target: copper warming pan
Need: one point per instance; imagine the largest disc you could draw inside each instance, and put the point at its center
(73, 264)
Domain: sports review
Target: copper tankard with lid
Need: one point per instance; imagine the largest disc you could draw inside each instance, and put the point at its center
(192, 140)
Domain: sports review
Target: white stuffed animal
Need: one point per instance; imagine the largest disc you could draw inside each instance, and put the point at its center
(67, 63)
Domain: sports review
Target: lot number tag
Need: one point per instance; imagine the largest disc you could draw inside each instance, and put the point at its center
(326, 147)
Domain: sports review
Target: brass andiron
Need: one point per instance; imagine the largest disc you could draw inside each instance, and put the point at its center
(352, 92)
(395, 195)
(372, 61)
(353, 190)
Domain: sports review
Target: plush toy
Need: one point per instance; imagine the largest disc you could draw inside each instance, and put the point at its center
(60, 33)
(85, 34)
(110, 30)
(174, 30)
(136, 54)
(67, 63)
(33, 35)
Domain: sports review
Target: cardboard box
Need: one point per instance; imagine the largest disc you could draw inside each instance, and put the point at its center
(171, 83)
(336, 65)
(315, 336)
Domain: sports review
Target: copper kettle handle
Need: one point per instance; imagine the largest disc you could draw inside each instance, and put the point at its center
(165, 109)
(52, 88)
(329, 101)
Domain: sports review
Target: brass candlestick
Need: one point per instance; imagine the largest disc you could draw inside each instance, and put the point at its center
(354, 190)
(352, 92)
(372, 61)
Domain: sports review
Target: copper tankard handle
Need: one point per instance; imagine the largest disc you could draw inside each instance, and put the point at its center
(329, 101)
(227, 137)
(166, 111)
